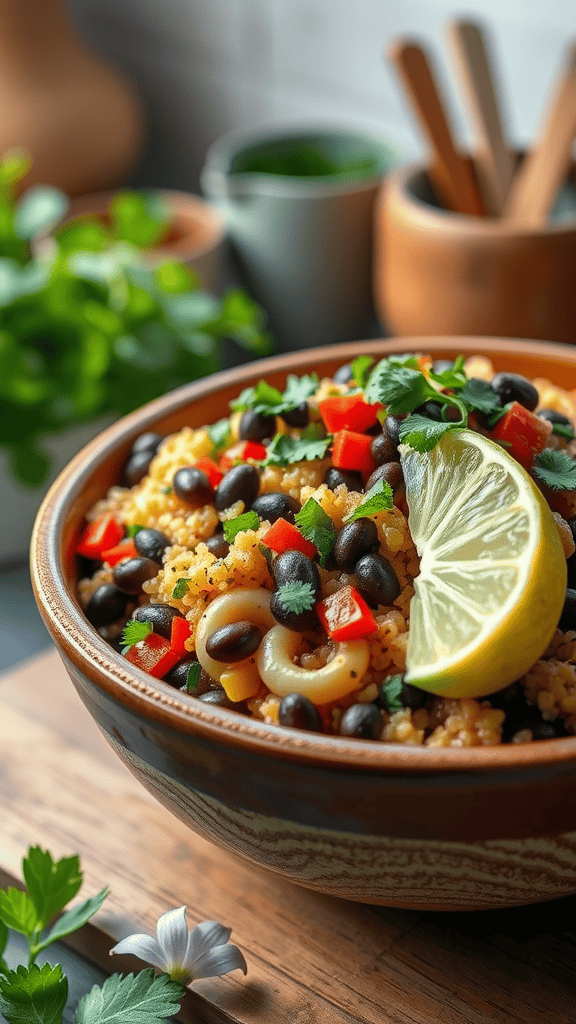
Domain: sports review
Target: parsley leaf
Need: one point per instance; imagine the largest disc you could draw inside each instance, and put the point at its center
(298, 389)
(34, 993)
(454, 377)
(73, 919)
(284, 450)
(361, 367)
(266, 399)
(390, 693)
(400, 388)
(378, 499)
(247, 521)
(297, 597)
(131, 999)
(133, 530)
(50, 885)
(563, 430)
(219, 434)
(244, 400)
(181, 588)
(316, 526)
(18, 911)
(193, 677)
(423, 434)
(135, 631)
(556, 469)
(479, 394)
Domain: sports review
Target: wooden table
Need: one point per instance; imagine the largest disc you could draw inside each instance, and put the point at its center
(311, 959)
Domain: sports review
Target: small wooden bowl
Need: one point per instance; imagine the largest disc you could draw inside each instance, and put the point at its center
(404, 826)
(437, 272)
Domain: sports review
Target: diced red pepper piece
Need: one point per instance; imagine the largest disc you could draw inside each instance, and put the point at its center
(253, 450)
(524, 434)
(352, 451)
(211, 469)
(99, 536)
(283, 536)
(121, 551)
(346, 616)
(241, 452)
(347, 412)
(180, 633)
(154, 654)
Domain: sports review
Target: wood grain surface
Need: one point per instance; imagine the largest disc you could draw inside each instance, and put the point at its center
(311, 959)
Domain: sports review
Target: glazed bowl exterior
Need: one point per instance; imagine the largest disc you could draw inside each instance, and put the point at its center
(420, 827)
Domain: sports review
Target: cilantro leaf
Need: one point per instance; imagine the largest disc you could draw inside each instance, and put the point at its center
(247, 521)
(73, 919)
(390, 693)
(455, 377)
(297, 597)
(361, 367)
(134, 632)
(219, 434)
(133, 530)
(181, 588)
(266, 399)
(556, 469)
(298, 389)
(423, 434)
(563, 430)
(400, 388)
(50, 885)
(316, 526)
(379, 498)
(17, 911)
(479, 394)
(284, 450)
(34, 994)
(193, 677)
(131, 999)
(3, 937)
(244, 400)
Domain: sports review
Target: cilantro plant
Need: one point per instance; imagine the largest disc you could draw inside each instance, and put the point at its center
(87, 326)
(31, 993)
(316, 526)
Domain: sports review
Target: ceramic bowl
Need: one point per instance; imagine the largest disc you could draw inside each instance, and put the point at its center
(396, 825)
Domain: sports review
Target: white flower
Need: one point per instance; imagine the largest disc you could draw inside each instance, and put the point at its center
(185, 956)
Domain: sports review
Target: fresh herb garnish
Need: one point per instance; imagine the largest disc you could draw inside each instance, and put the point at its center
(284, 450)
(166, 490)
(219, 434)
(247, 521)
(479, 394)
(400, 388)
(556, 469)
(297, 597)
(361, 367)
(563, 430)
(390, 693)
(454, 377)
(134, 632)
(379, 498)
(181, 588)
(316, 526)
(423, 434)
(193, 677)
(133, 530)
(266, 399)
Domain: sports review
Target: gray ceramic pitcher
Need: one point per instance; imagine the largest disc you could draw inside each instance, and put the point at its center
(298, 203)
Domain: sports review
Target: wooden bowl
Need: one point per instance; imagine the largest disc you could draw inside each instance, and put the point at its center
(437, 272)
(397, 825)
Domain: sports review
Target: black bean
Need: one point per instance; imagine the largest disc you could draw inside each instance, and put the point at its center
(392, 427)
(298, 622)
(234, 642)
(241, 483)
(219, 698)
(137, 467)
(376, 580)
(512, 387)
(530, 718)
(363, 721)
(343, 374)
(178, 675)
(256, 426)
(391, 472)
(218, 545)
(412, 696)
(106, 605)
(354, 540)
(193, 487)
(431, 409)
(568, 617)
(554, 417)
(147, 443)
(295, 567)
(510, 695)
(130, 574)
(160, 615)
(334, 478)
(383, 449)
(297, 712)
(151, 544)
(298, 417)
(275, 505)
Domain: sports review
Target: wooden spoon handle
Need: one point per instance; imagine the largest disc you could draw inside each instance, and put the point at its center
(495, 162)
(455, 183)
(544, 169)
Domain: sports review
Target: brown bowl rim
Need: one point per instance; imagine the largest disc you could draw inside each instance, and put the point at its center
(80, 643)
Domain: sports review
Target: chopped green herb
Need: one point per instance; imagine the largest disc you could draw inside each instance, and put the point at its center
(134, 632)
(390, 692)
(563, 430)
(556, 469)
(284, 450)
(455, 377)
(423, 434)
(361, 367)
(181, 588)
(219, 434)
(133, 530)
(267, 552)
(297, 597)
(244, 400)
(479, 394)
(266, 399)
(247, 521)
(400, 388)
(166, 490)
(193, 677)
(378, 499)
(316, 526)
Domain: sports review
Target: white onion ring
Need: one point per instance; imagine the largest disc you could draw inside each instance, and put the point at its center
(338, 678)
(234, 606)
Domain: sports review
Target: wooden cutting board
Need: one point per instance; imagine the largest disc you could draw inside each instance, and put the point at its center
(312, 959)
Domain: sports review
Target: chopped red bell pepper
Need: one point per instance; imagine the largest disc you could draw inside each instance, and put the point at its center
(347, 412)
(524, 434)
(180, 633)
(283, 536)
(126, 549)
(99, 536)
(352, 451)
(154, 654)
(211, 469)
(346, 616)
(240, 453)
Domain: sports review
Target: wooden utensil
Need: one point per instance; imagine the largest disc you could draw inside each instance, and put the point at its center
(495, 162)
(452, 176)
(544, 169)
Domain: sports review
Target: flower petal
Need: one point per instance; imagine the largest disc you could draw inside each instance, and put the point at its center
(219, 960)
(172, 932)
(203, 937)
(143, 946)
